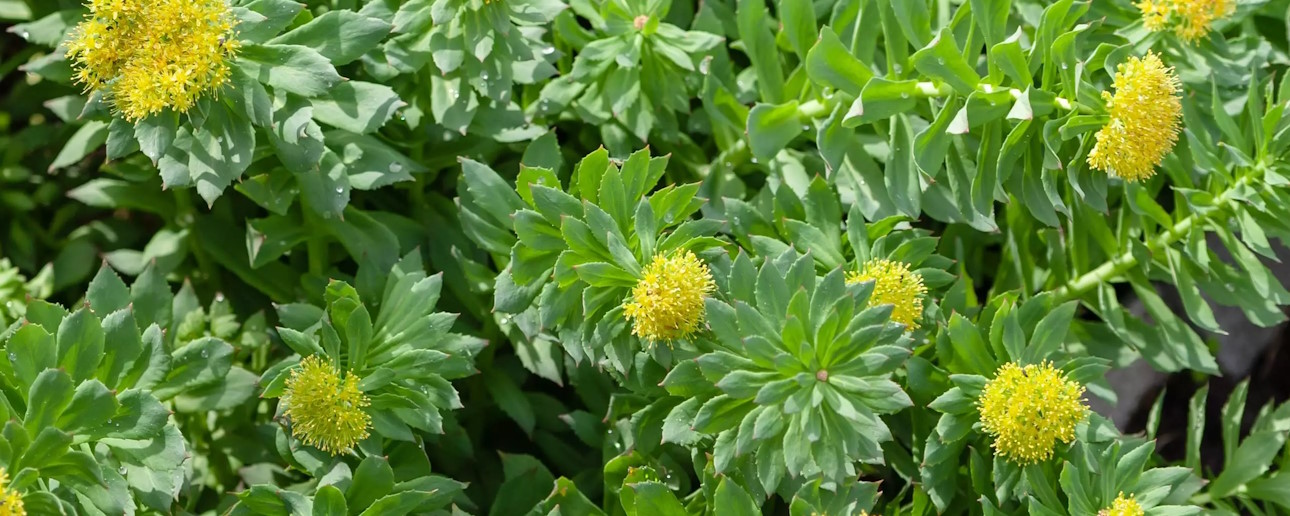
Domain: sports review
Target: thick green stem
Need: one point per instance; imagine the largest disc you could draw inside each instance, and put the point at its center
(1120, 264)
(814, 109)
(316, 246)
(186, 218)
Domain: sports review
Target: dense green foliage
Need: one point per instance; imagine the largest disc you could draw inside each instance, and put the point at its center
(641, 257)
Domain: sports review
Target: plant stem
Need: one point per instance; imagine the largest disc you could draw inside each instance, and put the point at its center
(1118, 265)
(186, 218)
(316, 246)
(820, 108)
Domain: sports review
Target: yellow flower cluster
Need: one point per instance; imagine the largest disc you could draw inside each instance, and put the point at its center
(149, 55)
(325, 410)
(667, 303)
(1123, 507)
(896, 285)
(10, 501)
(1145, 119)
(1191, 20)
(1029, 409)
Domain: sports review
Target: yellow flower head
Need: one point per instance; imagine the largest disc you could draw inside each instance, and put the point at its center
(325, 410)
(10, 501)
(1191, 20)
(1123, 507)
(148, 55)
(667, 303)
(896, 285)
(1145, 113)
(1029, 409)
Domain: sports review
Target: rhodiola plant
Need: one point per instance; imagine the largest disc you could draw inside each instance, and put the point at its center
(611, 271)
(384, 374)
(194, 86)
(799, 375)
(89, 396)
(627, 257)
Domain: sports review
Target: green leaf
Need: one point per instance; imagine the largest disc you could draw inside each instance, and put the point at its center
(797, 20)
(373, 479)
(567, 499)
(1050, 333)
(292, 68)
(273, 16)
(49, 395)
(92, 405)
(1273, 488)
(31, 351)
(915, 21)
(1197, 307)
(830, 64)
(329, 501)
(720, 413)
(107, 293)
(734, 500)
(221, 149)
(942, 60)
(121, 141)
(771, 127)
(234, 389)
(340, 35)
(199, 362)
(511, 400)
(494, 195)
(902, 177)
(650, 499)
(87, 139)
(1252, 459)
(527, 482)
(881, 99)
(80, 344)
(1195, 427)
(357, 106)
(759, 44)
(992, 17)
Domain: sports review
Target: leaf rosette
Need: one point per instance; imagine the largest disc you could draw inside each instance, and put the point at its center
(578, 255)
(800, 373)
(400, 361)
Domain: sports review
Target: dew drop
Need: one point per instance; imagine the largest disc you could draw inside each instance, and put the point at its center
(206, 353)
(548, 51)
(13, 357)
(396, 167)
(340, 189)
(705, 65)
(121, 470)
